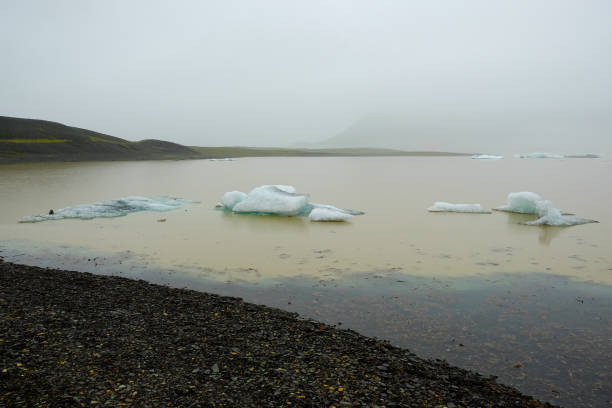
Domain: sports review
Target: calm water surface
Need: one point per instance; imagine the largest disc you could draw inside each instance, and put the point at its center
(530, 304)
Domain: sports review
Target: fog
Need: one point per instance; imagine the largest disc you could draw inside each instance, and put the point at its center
(444, 75)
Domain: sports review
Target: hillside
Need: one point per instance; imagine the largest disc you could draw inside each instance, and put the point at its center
(31, 140)
(558, 132)
(27, 140)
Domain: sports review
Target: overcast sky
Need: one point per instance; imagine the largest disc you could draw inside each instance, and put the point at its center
(280, 72)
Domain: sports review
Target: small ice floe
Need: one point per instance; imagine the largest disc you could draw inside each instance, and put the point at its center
(281, 200)
(111, 208)
(539, 155)
(441, 206)
(582, 156)
(527, 202)
(224, 159)
(327, 214)
(487, 157)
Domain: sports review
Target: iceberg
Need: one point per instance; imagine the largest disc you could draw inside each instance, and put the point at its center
(273, 200)
(327, 214)
(111, 208)
(487, 157)
(440, 206)
(231, 198)
(524, 202)
(531, 203)
(281, 200)
(539, 156)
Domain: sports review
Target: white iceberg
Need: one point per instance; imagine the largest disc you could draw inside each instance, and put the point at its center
(554, 217)
(524, 202)
(275, 200)
(328, 214)
(539, 155)
(111, 208)
(441, 206)
(487, 157)
(231, 198)
(531, 203)
(281, 200)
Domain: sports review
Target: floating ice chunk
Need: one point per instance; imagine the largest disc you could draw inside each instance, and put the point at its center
(538, 155)
(332, 208)
(328, 214)
(530, 203)
(231, 198)
(557, 219)
(280, 200)
(275, 200)
(224, 159)
(524, 202)
(583, 156)
(112, 208)
(487, 157)
(440, 206)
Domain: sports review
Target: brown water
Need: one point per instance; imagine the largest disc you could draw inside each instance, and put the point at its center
(530, 304)
(396, 232)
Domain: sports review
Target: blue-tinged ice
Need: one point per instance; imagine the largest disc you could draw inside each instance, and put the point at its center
(275, 200)
(524, 202)
(332, 208)
(487, 157)
(112, 208)
(531, 203)
(328, 214)
(231, 198)
(441, 206)
(539, 155)
(281, 200)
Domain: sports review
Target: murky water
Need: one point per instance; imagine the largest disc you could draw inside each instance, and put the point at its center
(530, 304)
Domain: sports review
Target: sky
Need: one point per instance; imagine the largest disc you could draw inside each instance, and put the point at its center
(281, 73)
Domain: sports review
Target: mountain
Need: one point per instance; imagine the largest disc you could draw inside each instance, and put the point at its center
(501, 133)
(27, 140)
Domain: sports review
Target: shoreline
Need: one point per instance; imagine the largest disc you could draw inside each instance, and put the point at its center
(77, 339)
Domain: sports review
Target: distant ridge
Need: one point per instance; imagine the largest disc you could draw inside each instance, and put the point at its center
(31, 140)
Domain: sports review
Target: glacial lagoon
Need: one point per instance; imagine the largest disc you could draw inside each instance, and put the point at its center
(531, 304)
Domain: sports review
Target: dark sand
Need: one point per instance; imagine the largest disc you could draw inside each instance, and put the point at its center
(77, 339)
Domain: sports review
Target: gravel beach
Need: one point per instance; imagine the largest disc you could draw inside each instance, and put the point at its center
(77, 339)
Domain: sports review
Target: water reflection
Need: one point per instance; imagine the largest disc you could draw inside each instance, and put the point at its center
(544, 334)
(258, 223)
(548, 233)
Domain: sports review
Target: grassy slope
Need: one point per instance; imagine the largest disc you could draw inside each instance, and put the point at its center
(31, 140)
(38, 140)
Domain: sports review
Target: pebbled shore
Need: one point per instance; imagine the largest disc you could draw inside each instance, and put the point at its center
(77, 339)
